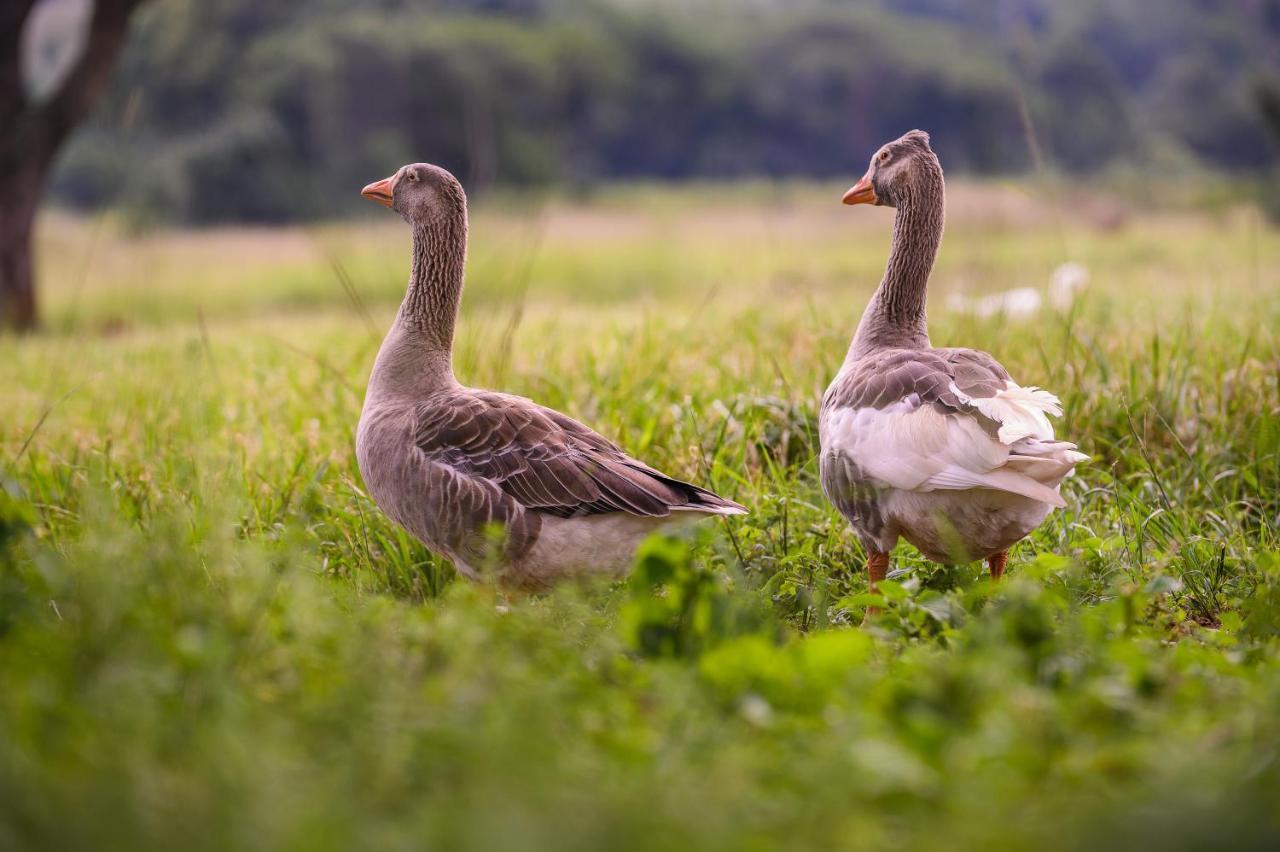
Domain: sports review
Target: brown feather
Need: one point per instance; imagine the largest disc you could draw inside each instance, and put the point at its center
(542, 459)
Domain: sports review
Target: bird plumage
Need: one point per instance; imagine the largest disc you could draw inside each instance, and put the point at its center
(938, 446)
(494, 482)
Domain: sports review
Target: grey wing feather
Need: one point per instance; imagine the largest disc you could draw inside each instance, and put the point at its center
(921, 376)
(545, 461)
(470, 517)
(852, 492)
(975, 373)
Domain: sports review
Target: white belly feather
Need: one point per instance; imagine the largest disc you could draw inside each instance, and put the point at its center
(594, 545)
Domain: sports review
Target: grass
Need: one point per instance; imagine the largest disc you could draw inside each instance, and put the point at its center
(210, 637)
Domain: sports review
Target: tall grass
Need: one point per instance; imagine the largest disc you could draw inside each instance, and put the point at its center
(209, 636)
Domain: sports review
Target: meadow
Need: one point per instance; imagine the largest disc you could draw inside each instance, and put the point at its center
(210, 638)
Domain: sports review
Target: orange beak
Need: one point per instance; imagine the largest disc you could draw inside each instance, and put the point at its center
(862, 192)
(380, 191)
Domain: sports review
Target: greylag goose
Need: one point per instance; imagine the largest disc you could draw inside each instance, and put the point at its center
(936, 446)
(490, 481)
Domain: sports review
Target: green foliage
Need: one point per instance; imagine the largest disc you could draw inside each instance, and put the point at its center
(16, 514)
(250, 703)
(234, 111)
(681, 608)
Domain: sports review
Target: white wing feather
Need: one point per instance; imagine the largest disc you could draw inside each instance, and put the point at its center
(1019, 411)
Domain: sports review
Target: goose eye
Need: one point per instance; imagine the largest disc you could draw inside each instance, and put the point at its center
(882, 158)
(412, 175)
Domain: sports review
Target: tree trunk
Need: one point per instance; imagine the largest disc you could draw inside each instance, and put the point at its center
(31, 134)
(17, 284)
(22, 179)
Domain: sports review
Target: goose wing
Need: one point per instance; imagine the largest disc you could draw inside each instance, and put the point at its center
(547, 462)
(939, 419)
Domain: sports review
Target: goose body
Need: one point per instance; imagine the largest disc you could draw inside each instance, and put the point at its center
(936, 446)
(941, 448)
(497, 484)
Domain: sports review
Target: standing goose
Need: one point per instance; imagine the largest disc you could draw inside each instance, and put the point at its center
(937, 446)
(489, 480)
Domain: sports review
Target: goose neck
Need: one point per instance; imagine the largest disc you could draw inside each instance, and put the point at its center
(429, 311)
(896, 316)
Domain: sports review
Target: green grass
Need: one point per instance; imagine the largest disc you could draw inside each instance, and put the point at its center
(210, 637)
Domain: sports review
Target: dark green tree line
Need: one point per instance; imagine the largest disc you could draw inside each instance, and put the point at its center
(240, 110)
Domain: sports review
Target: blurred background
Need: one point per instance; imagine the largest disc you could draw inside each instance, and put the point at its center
(242, 111)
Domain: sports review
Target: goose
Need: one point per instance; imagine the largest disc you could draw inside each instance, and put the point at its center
(494, 483)
(937, 446)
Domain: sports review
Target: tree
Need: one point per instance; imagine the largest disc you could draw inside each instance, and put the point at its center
(32, 132)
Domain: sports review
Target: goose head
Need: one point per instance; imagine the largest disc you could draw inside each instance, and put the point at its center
(901, 169)
(419, 192)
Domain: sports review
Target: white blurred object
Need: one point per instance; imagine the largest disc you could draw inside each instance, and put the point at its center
(1065, 283)
(1018, 302)
(51, 42)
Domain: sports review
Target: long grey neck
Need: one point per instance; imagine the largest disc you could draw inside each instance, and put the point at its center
(417, 355)
(430, 306)
(895, 317)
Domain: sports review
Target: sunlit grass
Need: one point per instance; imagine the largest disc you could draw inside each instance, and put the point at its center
(210, 637)
(684, 246)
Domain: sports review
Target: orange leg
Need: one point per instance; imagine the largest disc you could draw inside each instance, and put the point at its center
(877, 568)
(996, 564)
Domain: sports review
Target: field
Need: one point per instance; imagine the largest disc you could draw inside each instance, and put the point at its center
(211, 639)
